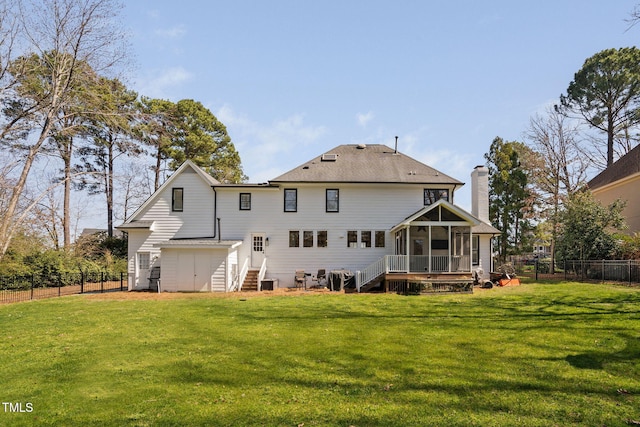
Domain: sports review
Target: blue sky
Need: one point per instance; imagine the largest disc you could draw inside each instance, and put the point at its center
(292, 79)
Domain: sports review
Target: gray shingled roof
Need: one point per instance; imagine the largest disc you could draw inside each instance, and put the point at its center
(371, 163)
(623, 167)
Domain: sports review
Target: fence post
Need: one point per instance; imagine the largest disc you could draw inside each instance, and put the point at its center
(565, 270)
(81, 282)
(603, 271)
(536, 268)
(121, 281)
(101, 281)
(33, 280)
(59, 283)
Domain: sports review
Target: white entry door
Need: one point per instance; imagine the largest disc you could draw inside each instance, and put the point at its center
(143, 264)
(258, 241)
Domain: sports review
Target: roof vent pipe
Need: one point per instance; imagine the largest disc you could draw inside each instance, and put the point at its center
(396, 150)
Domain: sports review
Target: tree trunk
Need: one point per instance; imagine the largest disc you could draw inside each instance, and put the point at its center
(109, 187)
(6, 230)
(158, 164)
(610, 138)
(66, 210)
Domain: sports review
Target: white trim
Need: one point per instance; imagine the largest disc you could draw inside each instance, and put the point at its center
(616, 183)
(466, 216)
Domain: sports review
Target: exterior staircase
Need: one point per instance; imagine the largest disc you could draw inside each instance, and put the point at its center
(251, 281)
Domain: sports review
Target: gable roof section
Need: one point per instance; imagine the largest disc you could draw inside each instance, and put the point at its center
(477, 225)
(464, 215)
(365, 164)
(208, 179)
(625, 166)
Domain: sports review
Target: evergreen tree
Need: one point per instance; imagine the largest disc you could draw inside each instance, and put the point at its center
(508, 195)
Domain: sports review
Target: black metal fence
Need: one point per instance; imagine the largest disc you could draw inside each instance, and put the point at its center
(29, 287)
(614, 271)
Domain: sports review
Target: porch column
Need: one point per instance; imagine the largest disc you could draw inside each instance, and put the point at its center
(450, 247)
(408, 255)
(429, 250)
(471, 250)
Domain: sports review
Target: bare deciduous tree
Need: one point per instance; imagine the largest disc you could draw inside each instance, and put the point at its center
(562, 166)
(55, 37)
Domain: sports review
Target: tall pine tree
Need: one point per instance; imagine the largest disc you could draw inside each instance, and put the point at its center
(508, 195)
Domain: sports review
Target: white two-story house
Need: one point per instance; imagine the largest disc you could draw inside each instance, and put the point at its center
(368, 210)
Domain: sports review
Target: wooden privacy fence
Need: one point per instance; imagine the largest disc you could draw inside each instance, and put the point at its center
(615, 271)
(30, 287)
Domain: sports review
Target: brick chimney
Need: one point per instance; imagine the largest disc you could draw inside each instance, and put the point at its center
(480, 193)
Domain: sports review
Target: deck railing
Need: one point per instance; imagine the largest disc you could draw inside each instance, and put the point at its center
(373, 271)
(262, 273)
(241, 276)
(412, 264)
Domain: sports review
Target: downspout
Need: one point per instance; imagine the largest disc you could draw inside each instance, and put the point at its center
(215, 211)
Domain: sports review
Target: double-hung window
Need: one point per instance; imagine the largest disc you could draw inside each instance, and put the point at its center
(290, 200)
(307, 239)
(365, 239)
(177, 199)
(333, 200)
(352, 239)
(322, 238)
(294, 239)
(245, 201)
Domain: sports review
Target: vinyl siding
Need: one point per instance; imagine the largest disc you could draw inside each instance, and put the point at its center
(219, 271)
(362, 207)
(196, 220)
(138, 242)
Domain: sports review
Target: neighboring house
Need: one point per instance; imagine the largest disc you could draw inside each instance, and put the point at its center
(621, 180)
(541, 248)
(369, 210)
(92, 231)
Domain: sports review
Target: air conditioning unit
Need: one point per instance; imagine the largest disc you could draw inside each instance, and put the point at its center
(329, 157)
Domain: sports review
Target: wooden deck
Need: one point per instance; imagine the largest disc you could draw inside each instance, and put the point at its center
(424, 283)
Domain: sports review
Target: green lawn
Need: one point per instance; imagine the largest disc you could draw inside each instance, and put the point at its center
(534, 355)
